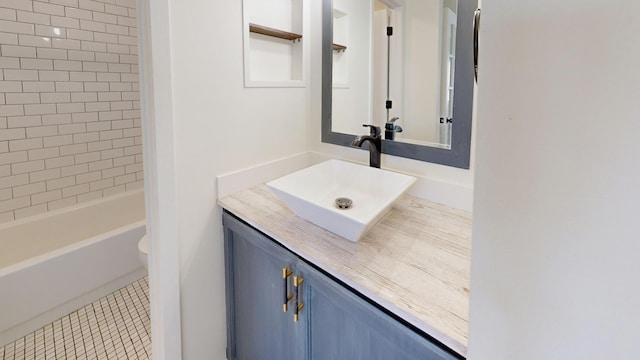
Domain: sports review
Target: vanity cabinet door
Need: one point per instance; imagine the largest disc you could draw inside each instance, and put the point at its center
(344, 326)
(257, 326)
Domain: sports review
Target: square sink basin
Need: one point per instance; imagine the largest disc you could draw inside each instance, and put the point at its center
(311, 194)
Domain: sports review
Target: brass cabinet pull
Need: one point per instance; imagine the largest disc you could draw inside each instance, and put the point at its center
(285, 287)
(297, 281)
(476, 42)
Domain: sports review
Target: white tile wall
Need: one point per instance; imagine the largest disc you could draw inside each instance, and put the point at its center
(69, 103)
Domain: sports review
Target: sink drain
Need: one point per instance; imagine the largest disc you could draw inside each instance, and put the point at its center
(344, 203)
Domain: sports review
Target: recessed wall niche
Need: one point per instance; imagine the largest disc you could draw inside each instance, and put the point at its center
(275, 43)
(340, 44)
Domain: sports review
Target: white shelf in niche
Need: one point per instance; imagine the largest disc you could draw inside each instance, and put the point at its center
(275, 50)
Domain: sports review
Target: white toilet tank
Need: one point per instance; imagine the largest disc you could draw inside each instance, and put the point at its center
(143, 250)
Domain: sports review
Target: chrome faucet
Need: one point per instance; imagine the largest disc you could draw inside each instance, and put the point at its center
(390, 129)
(375, 144)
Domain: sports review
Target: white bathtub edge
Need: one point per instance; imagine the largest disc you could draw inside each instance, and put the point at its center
(37, 322)
(87, 242)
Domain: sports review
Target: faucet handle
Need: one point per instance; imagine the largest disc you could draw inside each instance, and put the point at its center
(374, 130)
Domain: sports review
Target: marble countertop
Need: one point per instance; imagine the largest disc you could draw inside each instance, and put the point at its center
(415, 262)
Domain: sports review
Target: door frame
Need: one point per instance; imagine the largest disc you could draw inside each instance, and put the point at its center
(154, 44)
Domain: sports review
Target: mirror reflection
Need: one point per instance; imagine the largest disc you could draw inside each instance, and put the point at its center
(393, 66)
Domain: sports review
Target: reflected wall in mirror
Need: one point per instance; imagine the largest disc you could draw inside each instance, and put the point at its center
(403, 65)
(410, 47)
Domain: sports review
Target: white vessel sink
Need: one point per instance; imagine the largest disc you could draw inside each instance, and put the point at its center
(311, 193)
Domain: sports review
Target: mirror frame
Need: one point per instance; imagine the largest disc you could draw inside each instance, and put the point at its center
(460, 152)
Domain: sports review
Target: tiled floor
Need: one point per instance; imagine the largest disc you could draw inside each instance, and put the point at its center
(114, 327)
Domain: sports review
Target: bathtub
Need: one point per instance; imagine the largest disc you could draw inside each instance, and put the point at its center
(55, 263)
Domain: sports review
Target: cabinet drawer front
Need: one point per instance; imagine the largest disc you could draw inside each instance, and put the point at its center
(342, 325)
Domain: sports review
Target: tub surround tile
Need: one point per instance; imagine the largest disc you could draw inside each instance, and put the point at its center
(14, 204)
(46, 197)
(139, 184)
(44, 175)
(6, 217)
(69, 96)
(30, 211)
(24, 121)
(92, 196)
(415, 262)
(5, 194)
(13, 181)
(28, 144)
(30, 189)
(5, 170)
(8, 14)
(12, 134)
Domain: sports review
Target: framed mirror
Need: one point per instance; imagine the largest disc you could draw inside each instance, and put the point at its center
(404, 65)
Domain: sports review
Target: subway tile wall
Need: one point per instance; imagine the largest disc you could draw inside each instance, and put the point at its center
(69, 103)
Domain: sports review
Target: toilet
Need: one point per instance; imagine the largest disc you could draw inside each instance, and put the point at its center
(143, 250)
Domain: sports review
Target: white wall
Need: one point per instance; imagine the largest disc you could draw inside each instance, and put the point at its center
(353, 101)
(217, 126)
(380, 71)
(556, 233)
(422, 36)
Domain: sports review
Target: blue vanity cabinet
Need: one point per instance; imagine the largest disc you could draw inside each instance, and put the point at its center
(334, 323)
(342, 325)
(257, 326)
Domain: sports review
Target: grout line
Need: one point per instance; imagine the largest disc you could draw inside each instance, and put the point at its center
(115, 326)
